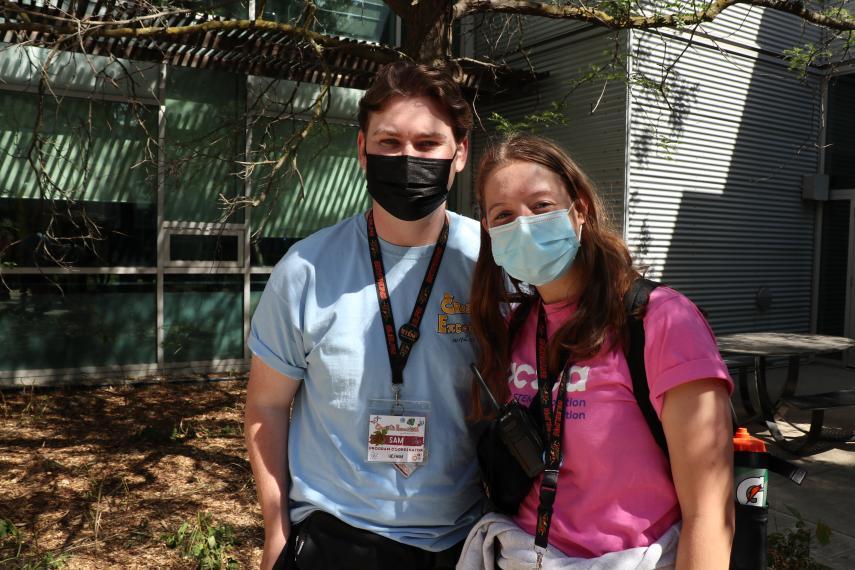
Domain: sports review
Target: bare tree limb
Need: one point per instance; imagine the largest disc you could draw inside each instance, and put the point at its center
(105, 29)
(628, 20)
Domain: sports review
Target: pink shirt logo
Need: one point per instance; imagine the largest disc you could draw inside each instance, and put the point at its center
(524, 376)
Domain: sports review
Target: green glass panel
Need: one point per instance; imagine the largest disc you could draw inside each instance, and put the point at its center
(203, 248)
(360, 19)
(256, 288)
(333, 185)
(126, 237)
(235, 9)
(76, 321)
(202, 317)
(204, 143)
(83, 150)
(90, 75)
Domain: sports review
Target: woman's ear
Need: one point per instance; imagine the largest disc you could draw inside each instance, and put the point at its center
(577, 217)
(579, 212)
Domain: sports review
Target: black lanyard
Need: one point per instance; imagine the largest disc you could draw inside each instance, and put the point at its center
(409, 333)
(553, 420)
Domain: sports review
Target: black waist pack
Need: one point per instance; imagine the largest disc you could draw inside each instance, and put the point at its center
(510, 454)
(323, 542)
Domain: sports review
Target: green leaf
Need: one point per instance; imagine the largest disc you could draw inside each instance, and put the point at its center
(7, 528)
(823, 533)
(794, 512)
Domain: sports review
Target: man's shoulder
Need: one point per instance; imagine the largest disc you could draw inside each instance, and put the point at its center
(466, 235)
(299, 265)
(326, 240)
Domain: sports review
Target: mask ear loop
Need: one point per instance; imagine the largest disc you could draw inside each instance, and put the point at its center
(579, 231)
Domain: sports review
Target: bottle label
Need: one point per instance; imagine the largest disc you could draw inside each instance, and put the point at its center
(751, 486)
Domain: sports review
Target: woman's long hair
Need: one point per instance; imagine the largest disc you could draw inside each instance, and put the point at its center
(603, 263)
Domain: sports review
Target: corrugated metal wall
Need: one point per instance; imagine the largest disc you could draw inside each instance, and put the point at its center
(595, 134)
(714, 203)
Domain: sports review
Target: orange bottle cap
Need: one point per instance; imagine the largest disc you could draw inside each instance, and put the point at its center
(744, 441)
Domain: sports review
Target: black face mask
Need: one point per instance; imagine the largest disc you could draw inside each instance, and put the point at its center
(408, 187)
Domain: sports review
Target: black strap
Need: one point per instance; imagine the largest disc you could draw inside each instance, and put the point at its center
(553, 420)
(786, 469)
(409, 332)
(637, 297)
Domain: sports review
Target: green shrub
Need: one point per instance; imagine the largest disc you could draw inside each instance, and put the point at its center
(207, 543)
(790, 550)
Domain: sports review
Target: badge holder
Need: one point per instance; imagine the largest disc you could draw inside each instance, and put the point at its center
(397, 433)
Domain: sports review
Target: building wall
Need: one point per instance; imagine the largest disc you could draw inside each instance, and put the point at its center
(168, 282)
(714, 203)
(595, 133)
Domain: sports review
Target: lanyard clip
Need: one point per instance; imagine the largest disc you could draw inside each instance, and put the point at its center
(548, 489)
(539, 552)
(397, 407)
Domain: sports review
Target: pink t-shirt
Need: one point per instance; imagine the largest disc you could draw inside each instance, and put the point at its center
(614, 486)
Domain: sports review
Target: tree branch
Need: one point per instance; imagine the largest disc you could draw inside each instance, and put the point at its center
(106, 29)
(628, 20)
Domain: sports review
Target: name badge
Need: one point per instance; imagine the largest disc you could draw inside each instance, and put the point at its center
(395, 439)
(397, 434)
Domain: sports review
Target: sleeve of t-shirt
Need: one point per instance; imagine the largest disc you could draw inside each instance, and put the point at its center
(276, 335)
(679, 346)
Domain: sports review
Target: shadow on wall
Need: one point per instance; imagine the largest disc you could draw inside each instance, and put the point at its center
(741, 237)
(660, 131)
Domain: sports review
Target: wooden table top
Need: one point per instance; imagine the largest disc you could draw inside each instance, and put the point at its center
(782, 344)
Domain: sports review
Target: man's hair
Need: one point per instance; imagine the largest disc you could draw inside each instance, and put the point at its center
(407, 79)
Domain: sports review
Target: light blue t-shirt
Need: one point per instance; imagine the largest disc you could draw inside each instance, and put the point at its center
(318, 321)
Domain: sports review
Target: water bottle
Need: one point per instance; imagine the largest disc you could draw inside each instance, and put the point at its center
(751, 480)
(750, 469)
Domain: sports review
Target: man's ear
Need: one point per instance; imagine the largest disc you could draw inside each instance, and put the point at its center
(462, 154)
(360, 149)
(484, 224)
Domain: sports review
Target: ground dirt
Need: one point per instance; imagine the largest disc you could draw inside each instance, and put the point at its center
(103, 477)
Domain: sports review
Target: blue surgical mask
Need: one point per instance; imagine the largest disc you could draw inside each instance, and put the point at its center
(536, 249)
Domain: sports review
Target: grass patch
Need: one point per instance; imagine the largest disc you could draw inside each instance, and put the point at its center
(207, 543)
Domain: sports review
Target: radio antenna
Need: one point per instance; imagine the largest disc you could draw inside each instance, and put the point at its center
(484, 385)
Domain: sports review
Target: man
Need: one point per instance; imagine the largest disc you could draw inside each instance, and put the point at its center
(364, 327)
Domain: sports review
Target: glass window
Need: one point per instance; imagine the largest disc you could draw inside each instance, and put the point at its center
(333, 186)
(257, 282)
(833, 267)
(236, 9)
(202, 317)
(204, 144)
(72, 321)
(217, 248)
(368, 20)
(841, 132)
(80, 188)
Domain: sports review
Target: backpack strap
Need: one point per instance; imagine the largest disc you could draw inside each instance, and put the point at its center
(636, 298)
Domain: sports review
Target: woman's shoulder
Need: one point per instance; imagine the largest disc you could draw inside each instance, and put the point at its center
(664, 297)
(671, 305)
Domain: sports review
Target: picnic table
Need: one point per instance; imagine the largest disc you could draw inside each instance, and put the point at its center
(755, 394)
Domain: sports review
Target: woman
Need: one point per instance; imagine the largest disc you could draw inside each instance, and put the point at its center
(618, 496)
